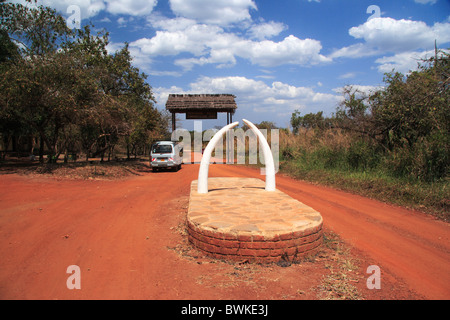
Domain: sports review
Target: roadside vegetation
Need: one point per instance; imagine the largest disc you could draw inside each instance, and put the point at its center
(64, 94)
(392, 144)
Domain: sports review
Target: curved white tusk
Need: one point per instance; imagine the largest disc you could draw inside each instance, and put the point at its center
(202, 186)
(268, 157)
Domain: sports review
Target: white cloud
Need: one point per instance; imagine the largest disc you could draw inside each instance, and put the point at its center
(426, 1)
(361, 89)
(177, 24)
(406, 39)
(347, 75)
(153, 72)
(199, 30)
(239, 85)
(266, 30)
(257, 96)
(106, 20)
(121, 21)
(220, 12)
(124, 21)
(390, 35)
(195, 39)
(162, 94)
(403, 62)
(223, 59)
(357, 50)
(211, 44)
(387, 35)
(291, 50)
(130, 7)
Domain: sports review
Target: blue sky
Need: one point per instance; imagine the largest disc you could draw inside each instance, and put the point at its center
(275, 56)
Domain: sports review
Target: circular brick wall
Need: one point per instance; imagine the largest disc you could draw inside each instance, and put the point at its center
(239, 220)
(291, 246)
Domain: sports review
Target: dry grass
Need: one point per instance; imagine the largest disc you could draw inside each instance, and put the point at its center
(308, 141)
(339, 284)
(331, 157)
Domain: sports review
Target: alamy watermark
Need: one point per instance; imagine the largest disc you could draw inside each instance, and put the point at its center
(74, 280)
(375, 10)
(374, 280)
(74, 20)
(232, 149)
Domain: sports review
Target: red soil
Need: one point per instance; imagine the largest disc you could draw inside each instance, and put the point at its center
(127, 236)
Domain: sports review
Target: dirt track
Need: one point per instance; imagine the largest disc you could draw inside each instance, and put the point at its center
(411, 245)
(127, 238)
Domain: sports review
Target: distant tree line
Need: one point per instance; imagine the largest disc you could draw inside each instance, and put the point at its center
(403, 127)
(62, 88)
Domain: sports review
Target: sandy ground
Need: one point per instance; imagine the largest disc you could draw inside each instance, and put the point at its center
(128, 238)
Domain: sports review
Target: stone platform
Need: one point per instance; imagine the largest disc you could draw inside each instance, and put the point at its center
(238, 220)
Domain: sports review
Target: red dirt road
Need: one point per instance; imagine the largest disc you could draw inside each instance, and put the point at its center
(409, 244)
(125, 237)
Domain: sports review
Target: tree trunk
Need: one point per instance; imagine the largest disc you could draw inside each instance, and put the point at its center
(33, 145)
(41, 149)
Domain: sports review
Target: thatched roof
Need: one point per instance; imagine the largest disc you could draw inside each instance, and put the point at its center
(182, 103)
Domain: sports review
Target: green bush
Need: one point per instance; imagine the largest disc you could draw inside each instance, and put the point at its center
(362, 156)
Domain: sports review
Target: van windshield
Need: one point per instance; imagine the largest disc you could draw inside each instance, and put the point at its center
(162, 149)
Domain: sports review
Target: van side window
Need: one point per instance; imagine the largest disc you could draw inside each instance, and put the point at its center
(163, 149)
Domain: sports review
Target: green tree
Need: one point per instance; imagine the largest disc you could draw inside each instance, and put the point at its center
(9, 125)
(308, 121)
(39, 30)
(67, 89)
(33, 89)
(126, 109)
(408, 119)
(296, 121)
(354, 113)
(412, 113)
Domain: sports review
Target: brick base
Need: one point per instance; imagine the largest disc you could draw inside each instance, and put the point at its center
(238, 220)
(235, 247)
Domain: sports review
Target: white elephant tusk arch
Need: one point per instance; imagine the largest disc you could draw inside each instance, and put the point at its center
(202, 186)
(268, 157)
